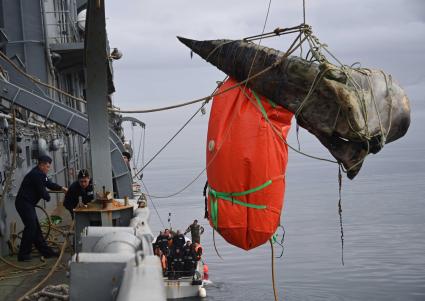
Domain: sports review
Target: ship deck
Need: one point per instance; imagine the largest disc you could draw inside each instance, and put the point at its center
(14, 282)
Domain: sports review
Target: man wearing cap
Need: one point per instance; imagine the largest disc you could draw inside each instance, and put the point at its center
(33, 188)
(83, 188)
(127, 157)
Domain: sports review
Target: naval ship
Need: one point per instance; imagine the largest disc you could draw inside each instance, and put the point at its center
(56, 86)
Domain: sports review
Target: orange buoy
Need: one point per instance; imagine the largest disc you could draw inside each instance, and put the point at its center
(246, 165)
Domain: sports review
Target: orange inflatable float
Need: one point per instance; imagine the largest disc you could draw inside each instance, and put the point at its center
(246, 164)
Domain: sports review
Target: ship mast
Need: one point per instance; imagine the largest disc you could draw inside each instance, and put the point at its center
(96, 94)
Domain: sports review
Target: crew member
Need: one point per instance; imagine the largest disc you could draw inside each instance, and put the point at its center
(158, 239)
(189, 258)
(163, 240)
(127, 156)
(83, 188)
(178, 240)
(196, 231)
(177, 264)
(33, 188)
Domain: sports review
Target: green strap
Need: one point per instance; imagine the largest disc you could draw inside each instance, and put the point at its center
(273, 104)
(263, 111)
(228, 196)
(274, 237)
(214, 212)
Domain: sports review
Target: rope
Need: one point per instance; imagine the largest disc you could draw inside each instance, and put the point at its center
(169, 141)
(52, 270)
(9, 176)
(139, 148)
(157, 213)
(280, 243)
(23, 268)
(273, 272)
(175, 135)
(291, 49)
(143, 151)
(207, 98)
(277, 132)
(261, 38)
(215, 247)
(340, 213)
(36, 80)
(49, 221)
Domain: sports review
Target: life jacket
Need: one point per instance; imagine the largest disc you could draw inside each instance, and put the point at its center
(197, 250)
(246, 165)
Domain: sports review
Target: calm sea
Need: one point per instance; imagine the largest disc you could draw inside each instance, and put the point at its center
(383, 220)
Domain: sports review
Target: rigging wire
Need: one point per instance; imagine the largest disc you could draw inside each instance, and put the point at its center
(169, 141)
(5, 58)
(156, 210)
(214, 94)
(259, 43)
(291, 49)
(143, 151)
(276, 32)
(136, 163)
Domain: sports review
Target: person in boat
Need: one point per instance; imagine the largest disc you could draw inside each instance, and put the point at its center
(178, 240)
(32, 189)
(177, 265)
(197, 251)
(163, 241)
(162, 258)
(189, 258)
(158, 240)
(82, 189)
(196, 231)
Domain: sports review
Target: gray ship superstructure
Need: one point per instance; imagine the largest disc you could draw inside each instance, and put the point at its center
(43, 40)
(49, 67)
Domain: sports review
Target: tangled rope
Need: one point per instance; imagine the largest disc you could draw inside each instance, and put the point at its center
(53, 268)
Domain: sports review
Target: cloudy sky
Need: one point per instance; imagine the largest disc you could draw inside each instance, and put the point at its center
(156, 68)
(378, 33)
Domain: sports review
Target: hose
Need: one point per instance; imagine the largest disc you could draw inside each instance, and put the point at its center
(52, 270)
(26, 268)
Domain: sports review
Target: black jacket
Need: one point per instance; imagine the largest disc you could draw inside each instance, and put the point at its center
(33, 187)
(178, 241)
(75, 191)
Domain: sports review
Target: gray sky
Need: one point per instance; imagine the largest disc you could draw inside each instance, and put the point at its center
(156, 68)
(379, 33)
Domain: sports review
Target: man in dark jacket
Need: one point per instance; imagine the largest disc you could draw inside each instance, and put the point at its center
(196, 231)
(33, 188)
(189, 258)
(83, 188)
(178, 241)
